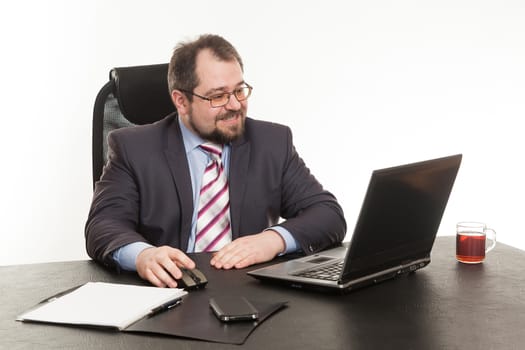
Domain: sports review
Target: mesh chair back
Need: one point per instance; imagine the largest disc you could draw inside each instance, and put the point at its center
(134, 95)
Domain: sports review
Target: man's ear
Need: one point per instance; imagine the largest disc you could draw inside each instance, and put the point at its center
(180, 101)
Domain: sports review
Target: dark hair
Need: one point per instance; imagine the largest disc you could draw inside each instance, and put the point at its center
(181, 71)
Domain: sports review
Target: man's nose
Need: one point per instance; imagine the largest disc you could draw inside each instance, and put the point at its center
(233, 104)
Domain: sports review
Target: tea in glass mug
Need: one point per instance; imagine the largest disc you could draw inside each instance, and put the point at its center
(471, 241)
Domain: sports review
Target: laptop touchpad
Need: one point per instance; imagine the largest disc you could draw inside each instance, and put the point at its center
(319, 259)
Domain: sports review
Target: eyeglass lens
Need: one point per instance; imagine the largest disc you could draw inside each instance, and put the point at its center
(240, 94)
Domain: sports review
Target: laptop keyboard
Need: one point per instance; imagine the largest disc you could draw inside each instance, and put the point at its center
(330, 272)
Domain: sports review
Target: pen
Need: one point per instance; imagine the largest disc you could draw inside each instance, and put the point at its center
(58, 295)
(165, 307)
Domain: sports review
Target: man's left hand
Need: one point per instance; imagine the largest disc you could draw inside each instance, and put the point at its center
(249, 250)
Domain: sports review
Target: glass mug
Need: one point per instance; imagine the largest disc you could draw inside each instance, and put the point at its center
(471, 240)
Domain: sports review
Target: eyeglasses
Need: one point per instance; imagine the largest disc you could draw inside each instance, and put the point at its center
(219, 100)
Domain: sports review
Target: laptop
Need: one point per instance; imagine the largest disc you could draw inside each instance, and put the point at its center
(394, 233)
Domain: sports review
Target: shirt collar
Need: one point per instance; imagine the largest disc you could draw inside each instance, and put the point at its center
(191, 141)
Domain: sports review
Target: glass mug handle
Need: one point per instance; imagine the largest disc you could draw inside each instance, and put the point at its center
(492, 237)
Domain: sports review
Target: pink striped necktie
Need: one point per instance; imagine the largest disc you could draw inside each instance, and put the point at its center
(213, 218)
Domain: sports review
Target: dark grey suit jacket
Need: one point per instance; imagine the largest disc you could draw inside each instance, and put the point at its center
(145, 194)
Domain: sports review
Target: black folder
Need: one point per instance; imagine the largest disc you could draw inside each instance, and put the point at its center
(195, 319)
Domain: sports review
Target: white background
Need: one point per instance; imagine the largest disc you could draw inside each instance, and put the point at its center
(363, 84)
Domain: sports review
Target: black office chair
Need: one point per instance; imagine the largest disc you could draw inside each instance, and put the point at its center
(133, 96)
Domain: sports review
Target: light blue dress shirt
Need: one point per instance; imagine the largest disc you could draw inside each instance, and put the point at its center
(126, 255)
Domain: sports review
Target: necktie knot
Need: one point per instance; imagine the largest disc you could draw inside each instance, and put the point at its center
(213, 149)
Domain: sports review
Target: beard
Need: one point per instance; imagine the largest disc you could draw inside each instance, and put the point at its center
(221, 136)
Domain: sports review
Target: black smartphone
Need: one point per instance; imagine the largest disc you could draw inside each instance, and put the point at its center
(228, 308)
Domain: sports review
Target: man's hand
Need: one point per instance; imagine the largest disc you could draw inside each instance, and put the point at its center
(249, 250)
(160, 265)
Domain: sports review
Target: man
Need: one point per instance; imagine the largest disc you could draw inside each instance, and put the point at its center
(206, 178)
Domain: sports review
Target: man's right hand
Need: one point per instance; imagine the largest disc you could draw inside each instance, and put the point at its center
(160, 265)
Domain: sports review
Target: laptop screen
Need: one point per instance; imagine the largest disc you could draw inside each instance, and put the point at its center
(410, 201)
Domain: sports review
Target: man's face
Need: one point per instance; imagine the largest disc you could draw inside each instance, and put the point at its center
(216, 124)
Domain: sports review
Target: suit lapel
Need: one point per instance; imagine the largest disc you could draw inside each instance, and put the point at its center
(178, 164)
(240, 158)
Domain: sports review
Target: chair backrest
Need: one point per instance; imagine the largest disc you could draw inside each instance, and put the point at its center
(133, 96)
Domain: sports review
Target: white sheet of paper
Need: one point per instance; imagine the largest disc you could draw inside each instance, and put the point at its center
(103, 304)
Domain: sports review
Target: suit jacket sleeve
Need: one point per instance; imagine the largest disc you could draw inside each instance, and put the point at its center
(144, 193)
(113, 217)
(275, 185)
(313, 215)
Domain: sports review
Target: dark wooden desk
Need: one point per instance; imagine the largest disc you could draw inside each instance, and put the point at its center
(447, 305)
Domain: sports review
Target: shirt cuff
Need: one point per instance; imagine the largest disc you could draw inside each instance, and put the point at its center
(289, 241)
(126, 256)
